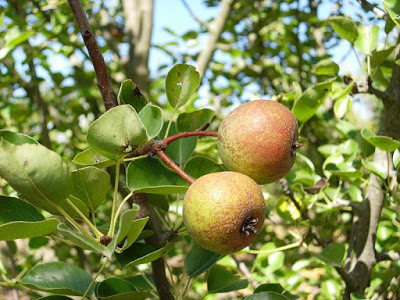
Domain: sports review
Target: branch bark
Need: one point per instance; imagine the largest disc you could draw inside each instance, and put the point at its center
(217, 27)
(139, 25)
(100, 68)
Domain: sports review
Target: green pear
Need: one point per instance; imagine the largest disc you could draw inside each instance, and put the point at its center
(259, 139)
(224, 212)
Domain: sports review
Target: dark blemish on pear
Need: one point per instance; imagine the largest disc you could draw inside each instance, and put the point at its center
(249, 225)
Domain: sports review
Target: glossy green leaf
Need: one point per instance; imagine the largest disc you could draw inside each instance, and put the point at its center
(194, 120)
(151, 117)
(343, 92)
(148, 175)
(90, 185)
(37, 242)
(341, 107)
(138, 254)
(396, 158)
(275, 261)
(16, 138)
(274, 287)
(355, 194)
(55, 297)
(384, 143)
(344, 27)
(333, 254)
(79, 239)
(222, 280)
(19, 220)
(134, 232)
(331, 289)
(125, 223)
(311, 99)
(58, 277)
(375, 168)
(119, 288)
(39, 175)
(326, 67)
(181, 83)
(199, 260)
(89, 157)
(367, 38)
(393, 8)
(198, 166)
(117, 132)
(130, 94)
(267, 296)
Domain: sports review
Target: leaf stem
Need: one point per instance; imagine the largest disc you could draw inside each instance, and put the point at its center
(170, 122)
(84, 219)
(269, 251)
(114, 204)
(119, 210)
(74, 223)
(94, 279)
(136, 157)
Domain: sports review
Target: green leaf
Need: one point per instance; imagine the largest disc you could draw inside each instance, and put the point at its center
(194, 120)
(134, 232)
(274, 287)
(222, 280)
(344, 27)
(125, 222)
(16, 138)
(19, 220)
(393, 9)
(37, 242)
(375, 168)
(331, 289)
(79, 239)
(90, 185)
(138, 254)
(275, 261)
(130, 94)
(199, 260)
(55, 297)
(12, 39)
(89, 157)
(396, 158)
(341, 107)
(198, 166)
(367, 38)
(333, 254)
(181, 83)
(384, 143)
(148, 175)
(180, 150)
(267, 296)
(119, 288)
(151, 117)
(58, 277)
(117, 132)
(38, 174)
(312, 98)
(326, 67)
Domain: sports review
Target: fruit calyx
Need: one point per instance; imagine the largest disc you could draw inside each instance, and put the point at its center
(249, 225)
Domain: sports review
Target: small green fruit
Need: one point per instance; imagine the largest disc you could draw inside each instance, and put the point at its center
(224, 212)
(259, 139)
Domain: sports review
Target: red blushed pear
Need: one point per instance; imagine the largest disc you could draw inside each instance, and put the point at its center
(259, 139)
(224, 212)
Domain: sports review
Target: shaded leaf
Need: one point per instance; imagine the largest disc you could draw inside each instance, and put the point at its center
(58, 277)
(222, 280)
(130, 94)
(16, 138)
(198, 166)
(181, 83)
(199, 260)
(333, 254)
(134, 232)
(267, 296)
(19, 220)
(148, 175)
(326, 67)
(79, 239)
(393, 8)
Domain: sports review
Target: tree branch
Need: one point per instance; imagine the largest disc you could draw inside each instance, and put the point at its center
(194, 16)
(217, 27)
(387, 256)
(380, 13)
(100, 68)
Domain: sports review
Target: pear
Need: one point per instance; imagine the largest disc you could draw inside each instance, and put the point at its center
(224, 212)
(259, 139)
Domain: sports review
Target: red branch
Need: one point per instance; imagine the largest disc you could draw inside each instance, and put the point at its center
(100, 68)
(175, 137)
(161, 154)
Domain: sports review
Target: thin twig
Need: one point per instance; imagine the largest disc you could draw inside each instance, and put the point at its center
(100, 68)
(394, 256)
(287, 190)
(161, 154)
(194, 16)
(175, 137)
(380, 13)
